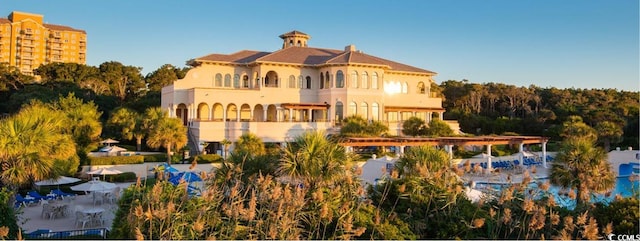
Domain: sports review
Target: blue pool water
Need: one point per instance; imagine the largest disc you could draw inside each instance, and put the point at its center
(624, 187)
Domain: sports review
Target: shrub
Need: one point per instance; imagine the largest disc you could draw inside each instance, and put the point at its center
(8, 218)
(155, 158)
(124, 177)
(115, 160)
(206, 158)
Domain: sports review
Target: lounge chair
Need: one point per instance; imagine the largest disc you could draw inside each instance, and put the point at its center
(62, 194)
(20, 201)
(39, 197)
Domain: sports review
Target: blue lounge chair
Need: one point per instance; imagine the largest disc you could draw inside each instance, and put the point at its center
(62, 194)
(39, 197)
(20, 200)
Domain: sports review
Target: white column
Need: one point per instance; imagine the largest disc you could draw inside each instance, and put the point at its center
(238, 114)
(224, 115)
(489, 157)
(401, 150)
(309, 115)
(450, 151)
(521, 157)
(264, 115)
(544, 154)
(290, 114)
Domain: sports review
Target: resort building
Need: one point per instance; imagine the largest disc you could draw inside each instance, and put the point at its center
(26, 42)
(279, 95)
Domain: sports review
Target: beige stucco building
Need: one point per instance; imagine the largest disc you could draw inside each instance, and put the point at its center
(278, 95)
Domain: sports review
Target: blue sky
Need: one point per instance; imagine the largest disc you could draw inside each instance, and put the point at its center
(548, 43)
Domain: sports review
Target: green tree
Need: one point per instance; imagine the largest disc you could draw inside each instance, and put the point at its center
(414, 126)
(357, 126)
(30, 144)
(163, 76)
(168, 133)
(438, 128)
(312, 159)
(575, 128)
(249, 144)
(609, 132)
(130, 123)
(125, 82)
(581, 166)
(12, 79)
(84, 122)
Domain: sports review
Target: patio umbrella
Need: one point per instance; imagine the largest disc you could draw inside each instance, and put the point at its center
(93, 186)
(187, 176)
(109, 141)
(104, 171)
(57, 181)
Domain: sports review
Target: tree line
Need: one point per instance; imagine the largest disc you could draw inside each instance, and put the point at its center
(496, 108)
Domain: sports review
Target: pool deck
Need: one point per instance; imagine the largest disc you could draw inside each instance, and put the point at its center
(502, 176)
(30, 217)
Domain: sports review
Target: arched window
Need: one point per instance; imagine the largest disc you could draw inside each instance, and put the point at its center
(218, 80)
(365, 80)
(300, 82)
(327, 80)
(271, 80)
(339, 79)
(321, 80)
(374, 80)
(339, 112)
(364, 110)
(245, 81)
(292, 81)
(353, 109)
(405, 88)
(375, 111)
(227, 80)
(354, 80)
(236, 81)
(421, 89)
(308, 82)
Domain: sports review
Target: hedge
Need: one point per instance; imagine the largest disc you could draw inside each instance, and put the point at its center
(155, 158)
(206, 158)
(115, 160)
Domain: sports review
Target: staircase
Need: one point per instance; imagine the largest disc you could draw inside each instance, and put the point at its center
(192, 143)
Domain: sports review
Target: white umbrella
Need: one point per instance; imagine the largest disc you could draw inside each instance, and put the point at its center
(104, 171)
(57, 181)
(92, 186)
(109, 141)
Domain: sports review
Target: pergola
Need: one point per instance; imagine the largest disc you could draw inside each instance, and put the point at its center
(449, 142)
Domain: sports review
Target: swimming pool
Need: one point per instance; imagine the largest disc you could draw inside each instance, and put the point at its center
(623, 187)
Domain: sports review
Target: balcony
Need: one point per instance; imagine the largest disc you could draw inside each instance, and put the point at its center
(56, 46)
(26, 56)
(28, 44)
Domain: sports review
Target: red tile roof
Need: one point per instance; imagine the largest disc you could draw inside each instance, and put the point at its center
(62, 28)
(309, 56)
(293, 33)
(4, 20)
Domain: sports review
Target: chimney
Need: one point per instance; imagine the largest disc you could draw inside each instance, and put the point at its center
(350, 48)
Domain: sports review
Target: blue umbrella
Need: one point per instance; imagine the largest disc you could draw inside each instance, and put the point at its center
(187, 176)
(166, 168)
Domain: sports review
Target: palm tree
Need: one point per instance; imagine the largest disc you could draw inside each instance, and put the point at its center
(167, 132)
(250, 144)
(418, 157)
(130, 123)
(225, 143)
(313, 159)
(30, 144)
(582, 166)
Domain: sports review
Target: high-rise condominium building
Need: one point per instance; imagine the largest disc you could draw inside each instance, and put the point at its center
(27, 42)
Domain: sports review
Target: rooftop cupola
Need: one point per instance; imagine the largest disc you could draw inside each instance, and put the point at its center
(294, 38)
